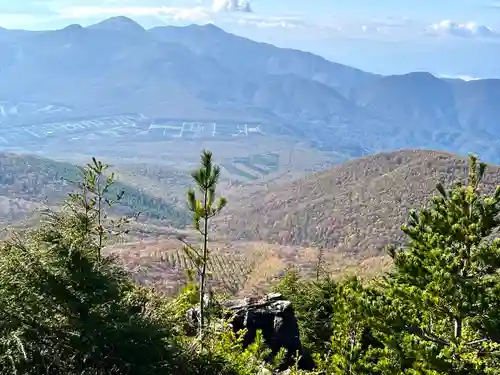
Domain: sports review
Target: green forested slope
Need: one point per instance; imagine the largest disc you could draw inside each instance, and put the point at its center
(37, 179)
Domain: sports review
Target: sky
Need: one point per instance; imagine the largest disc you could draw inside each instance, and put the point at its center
(455, 38)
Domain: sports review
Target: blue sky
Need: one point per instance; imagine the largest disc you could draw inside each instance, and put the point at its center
(446, 37)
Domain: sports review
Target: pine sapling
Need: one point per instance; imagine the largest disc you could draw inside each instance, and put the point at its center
(206, 178)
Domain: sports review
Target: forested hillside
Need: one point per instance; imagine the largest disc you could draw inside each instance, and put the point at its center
(355, 207)
(66, 307)
(28, 181)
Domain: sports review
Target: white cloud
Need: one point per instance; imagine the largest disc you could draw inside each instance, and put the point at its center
(464, 30)
(272, 22)
(194, 14)
(463, 77)
(198, 13)
(231, 5)
(226, 12)
(239, 14)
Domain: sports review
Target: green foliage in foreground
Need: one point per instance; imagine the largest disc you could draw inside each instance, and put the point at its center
(67, 309)
(437, 312)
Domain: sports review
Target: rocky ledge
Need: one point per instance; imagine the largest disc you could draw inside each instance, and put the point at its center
(271, 314)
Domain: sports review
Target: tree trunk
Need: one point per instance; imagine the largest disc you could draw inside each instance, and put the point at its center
(458, 328)
(203, 271)
(202, 305)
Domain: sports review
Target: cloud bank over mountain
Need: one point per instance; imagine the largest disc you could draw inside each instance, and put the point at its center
(464, 30)
(447, 40)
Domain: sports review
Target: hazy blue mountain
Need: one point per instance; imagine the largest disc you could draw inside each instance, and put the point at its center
(116, 66)
(244, 55)
(121, 25)
(65, 79)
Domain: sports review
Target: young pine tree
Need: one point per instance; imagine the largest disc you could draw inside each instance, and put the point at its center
(445, 286)
(206, 178)
(90, 203)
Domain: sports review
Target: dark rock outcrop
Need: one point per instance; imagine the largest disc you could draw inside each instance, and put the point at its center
(271, 314)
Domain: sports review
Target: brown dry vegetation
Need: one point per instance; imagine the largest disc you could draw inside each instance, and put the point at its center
(355, 208)
(238, 268)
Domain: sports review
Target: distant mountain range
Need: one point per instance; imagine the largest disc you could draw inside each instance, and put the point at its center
(203, 73)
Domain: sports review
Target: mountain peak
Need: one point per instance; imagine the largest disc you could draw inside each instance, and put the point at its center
(421, 75)
(118, 24)
(415, 78)
(74, 26)
(208, 28)
(211, 27)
